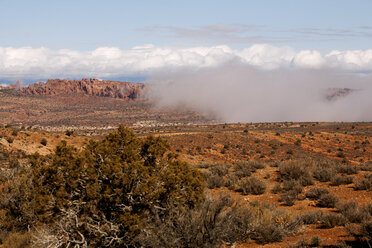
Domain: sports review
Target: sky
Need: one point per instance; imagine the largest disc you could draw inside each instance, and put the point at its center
(130, 39)
(85, 25)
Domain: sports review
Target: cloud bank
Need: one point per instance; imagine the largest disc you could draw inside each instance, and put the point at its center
(237, 92)
(28, 62)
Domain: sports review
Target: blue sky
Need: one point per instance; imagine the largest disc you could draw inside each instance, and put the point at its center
(88, 24)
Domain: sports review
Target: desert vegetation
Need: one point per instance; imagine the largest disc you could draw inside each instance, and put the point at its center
(128, 189)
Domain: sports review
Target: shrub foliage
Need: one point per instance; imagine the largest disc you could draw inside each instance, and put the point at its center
(102, 195)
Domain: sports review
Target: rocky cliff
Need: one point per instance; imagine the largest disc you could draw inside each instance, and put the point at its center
(90, 87)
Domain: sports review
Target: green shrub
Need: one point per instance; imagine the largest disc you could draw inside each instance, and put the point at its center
(312, 217)
(205, 165)
(14, 164)
(116, 182)
(342, 244)
(316, 193)
(366, 210)
(301, 243)
(340, 155)
(293, 185)
(269, 234)
(220, 170)
(289, 198)
(339, 180)
(213, 180)
(15, 132)
(351, 212)
(252, 185)
(69, 132)
(44, 142)
(315, 241)
(218, 221)
(296, 170)
(347, 169)
(276, 189)
(365, 184)
(243, 169)
(231, 182)
(366, 229)
(327, 201)
(366, 166)
(256, 164)
(333, 220)
(324, 174)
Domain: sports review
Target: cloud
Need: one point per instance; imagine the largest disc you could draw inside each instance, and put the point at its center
(363, 31)
(240, 34)
(220, 33)
(106, 62)
(237, 92)
(309, 59)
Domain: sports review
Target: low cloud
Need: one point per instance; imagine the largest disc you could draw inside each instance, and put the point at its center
(28, 62)
(237, 92)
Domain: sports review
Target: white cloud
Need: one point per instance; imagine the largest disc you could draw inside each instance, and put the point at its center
(309, 59)
(266, 56)
(28, 62)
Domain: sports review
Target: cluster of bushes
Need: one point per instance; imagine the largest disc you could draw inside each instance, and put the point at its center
(243, 181)
(221, 221)
(364, 184)
(123, 191)
(356, 220)
(295, 175)
(366, 166)
(315, 241)
(100, 196)
(323, 197)
(251, 185)
(245, 169)
(215, 176)
(240, 179)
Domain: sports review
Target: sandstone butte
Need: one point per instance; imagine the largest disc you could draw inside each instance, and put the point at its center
(90, 87)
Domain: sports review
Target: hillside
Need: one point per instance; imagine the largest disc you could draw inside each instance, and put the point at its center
(86, 102)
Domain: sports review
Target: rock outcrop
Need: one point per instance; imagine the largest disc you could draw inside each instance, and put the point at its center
(90, 87)
(333, 94)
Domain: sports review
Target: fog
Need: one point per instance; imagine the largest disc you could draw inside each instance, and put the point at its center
(237, 92)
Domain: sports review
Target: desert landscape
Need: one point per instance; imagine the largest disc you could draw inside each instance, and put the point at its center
(318, 173)
(185, 124)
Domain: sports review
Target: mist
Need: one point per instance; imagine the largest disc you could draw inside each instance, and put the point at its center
(237, 92)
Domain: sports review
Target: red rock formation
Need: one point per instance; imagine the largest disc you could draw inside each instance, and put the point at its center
(91, 87)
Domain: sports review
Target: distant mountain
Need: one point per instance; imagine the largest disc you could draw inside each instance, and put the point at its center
(90, 87)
